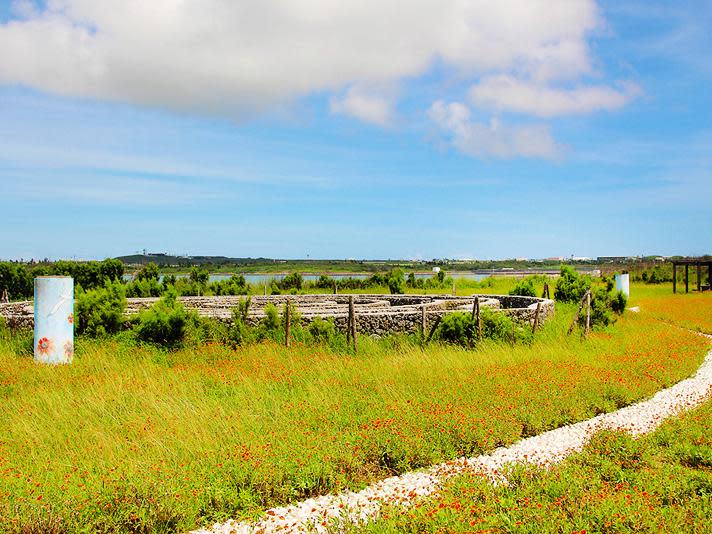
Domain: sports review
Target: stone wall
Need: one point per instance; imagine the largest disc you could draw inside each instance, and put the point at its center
(375, 314)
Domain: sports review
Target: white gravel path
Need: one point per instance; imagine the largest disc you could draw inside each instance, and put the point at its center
(314, 515)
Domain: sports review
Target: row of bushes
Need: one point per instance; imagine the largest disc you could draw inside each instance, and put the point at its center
(101, 312)
(18, 278)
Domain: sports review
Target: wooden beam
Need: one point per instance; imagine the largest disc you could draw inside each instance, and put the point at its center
(687, 278)
(536, 317)
(578, 313)
(432, 330)
(287, 320)
(699, 277)
(674, 277)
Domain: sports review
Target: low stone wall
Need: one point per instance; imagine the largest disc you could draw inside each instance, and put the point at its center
(375, 314)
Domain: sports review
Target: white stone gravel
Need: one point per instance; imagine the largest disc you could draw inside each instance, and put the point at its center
(314, 515)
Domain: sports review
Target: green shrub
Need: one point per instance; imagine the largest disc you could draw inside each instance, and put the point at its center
(166, 322)
(571, 286)
(524, 288)
(271, 320)
(396, 282)
(291, 281)
(145, 287)
(605, 305)
(148, 272)
(458, 328)
(239, 332)
(461, 328)
(619, 302)
(100, 311)
(322, 331)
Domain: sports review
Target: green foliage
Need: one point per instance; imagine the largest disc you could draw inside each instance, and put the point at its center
(100, 311)
(524, 288)
(16, 279)
(396, 282)
(271, 320)
(461, 328)
(199, 276)
(571, 286)
(145, 287)
(164, 323)
(239, 332)
(236, 285)
(291, 281)
(458, 328)
(148, 272)
(322, 330)
(605, 307)
(619, 302)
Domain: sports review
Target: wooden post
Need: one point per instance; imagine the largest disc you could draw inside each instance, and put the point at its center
(348, 323)
(453, 287)
(336, 289)
(588, 313)
(433, 328)
(687, 278)
(423, 325)
(353, 327)
(5, 296)
(536, 317)
(578, 313)
(699, 277)
(674, 277)
(513, 328)
(476, 316)
(287, 325)
(545, 293)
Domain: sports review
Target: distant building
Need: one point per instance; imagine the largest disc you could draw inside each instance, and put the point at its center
(615, 259)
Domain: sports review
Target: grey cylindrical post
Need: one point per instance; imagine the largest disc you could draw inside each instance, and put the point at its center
(54, 319)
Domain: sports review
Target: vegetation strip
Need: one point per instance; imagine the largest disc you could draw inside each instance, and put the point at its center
(543, 450)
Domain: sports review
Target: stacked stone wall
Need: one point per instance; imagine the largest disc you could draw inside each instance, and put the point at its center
(375, 314)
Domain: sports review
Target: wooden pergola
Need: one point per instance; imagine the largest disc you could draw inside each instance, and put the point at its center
(697, 262)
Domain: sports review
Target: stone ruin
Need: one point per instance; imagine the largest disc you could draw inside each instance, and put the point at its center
(375, 314)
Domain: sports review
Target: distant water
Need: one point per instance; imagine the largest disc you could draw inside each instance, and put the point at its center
(261, 279)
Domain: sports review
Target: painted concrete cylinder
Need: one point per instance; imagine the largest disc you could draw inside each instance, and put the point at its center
(54, 319)
(623, 284)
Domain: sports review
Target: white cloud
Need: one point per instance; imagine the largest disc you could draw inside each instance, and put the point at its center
(494, 139)
(363, 105)
(238, 58)
(506, 93)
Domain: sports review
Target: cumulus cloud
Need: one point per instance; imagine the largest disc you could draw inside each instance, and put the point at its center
(506, 93)
(238, 58)
(366, 106)
(495, 139)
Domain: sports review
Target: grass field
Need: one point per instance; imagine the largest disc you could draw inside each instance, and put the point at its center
(657, 483)
(137, 438)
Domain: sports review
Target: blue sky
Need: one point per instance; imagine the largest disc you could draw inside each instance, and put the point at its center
(532, 132)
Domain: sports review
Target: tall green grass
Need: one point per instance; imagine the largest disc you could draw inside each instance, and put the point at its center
(137, 438)
(658, 483)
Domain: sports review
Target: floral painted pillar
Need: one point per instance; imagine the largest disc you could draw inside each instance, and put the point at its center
(54, 319)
